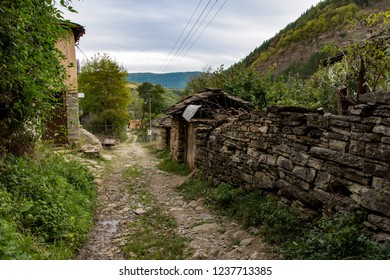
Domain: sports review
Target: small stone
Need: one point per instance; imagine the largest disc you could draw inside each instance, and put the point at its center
(246, 242)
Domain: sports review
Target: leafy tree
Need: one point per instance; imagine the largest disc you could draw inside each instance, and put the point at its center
(153, 94)
(30, 67)
(107, 97)
(363, 66)
(246, 84)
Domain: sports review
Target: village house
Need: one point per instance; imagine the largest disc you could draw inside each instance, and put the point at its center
(194, 117)
(65, 125)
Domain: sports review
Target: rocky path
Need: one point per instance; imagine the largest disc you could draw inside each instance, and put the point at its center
(210, 236)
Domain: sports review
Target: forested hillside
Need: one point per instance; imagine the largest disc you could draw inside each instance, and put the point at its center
(293, 67)
(297, 48)
(168, 80)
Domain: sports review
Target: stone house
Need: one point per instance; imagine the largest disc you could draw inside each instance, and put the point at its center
(194, 117)
(64, 128)
(161, 131)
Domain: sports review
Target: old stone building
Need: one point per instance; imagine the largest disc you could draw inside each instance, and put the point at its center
(317, 163)
(65, 125)
(195, 116)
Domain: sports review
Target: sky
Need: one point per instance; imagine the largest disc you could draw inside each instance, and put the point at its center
(162, 36)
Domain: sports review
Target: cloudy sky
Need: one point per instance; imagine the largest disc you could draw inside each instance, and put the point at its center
(180, 35)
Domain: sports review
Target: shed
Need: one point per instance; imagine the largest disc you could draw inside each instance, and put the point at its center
(194, 118)
(161, 131)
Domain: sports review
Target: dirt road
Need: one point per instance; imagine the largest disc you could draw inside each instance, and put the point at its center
(210, 236)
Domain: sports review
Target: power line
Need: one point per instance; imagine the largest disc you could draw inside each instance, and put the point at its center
(82, 52)
(193, 34)
(181, 35)
(197, 38)
(188, 34)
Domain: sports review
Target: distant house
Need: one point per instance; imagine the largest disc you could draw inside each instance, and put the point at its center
(193, 119)
(161, 131)
(65, 125)
(135, 124)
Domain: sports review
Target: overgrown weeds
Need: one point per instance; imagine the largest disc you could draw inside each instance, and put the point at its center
(46, 206)
(153, 235)
(132, 172)
(167, 163)
(336, 237)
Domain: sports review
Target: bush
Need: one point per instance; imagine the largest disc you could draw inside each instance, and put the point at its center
(336, 238)
(52, 203)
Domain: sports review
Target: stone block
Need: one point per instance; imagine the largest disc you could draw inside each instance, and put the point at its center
(357, 177)
(358, 189)
(382, 130)
(263, 181)
(338, 145)
(382, 185)
(366, 137)
(299, 158)
(341, 121)
(317, 121)
(304, 173)
(380, 222)
(342, 131)
(362, 110)
(341, 158)
(247, 178)
(253, 152)
(315, 163)
(285, 163)
(375, 200)
(323, 179)
(382, 111)
(337, 136)
(363, 128)
(292, 192)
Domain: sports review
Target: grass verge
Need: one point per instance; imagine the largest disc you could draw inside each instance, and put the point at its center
(334, 238)
(167, 163)
(153, 235)
(46, 206)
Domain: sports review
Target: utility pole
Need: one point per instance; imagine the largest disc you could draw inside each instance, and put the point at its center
(150, 119)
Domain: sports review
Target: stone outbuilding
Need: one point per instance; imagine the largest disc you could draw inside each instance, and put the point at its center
(195, 117)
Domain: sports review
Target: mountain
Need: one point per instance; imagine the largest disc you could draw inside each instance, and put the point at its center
(177, 80)
(297, 48)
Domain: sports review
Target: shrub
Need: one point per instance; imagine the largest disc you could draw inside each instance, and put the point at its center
(335, 238)
(52, 203)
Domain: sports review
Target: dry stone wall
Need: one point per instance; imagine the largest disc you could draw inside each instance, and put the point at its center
(318, 163)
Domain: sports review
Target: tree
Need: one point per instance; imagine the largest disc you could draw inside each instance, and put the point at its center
(153, 94)
(107, 98)
(30, 67)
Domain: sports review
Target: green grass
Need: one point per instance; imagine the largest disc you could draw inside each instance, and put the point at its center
(334, 238)
(167, 163)
(46, 206)
(131, 172)
(172, 166)
(153, 235)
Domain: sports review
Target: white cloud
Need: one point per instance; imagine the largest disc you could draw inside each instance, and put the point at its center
(140, 34)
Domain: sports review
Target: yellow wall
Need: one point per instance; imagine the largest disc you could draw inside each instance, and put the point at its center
(67, 47)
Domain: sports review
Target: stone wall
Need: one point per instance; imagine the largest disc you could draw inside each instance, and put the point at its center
(318, 163)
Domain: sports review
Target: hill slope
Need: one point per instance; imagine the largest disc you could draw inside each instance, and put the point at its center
(297, 47)
(176, 80)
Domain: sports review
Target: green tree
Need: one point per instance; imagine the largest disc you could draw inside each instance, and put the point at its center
(153, 94)
(107, 97)
(30, 67)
